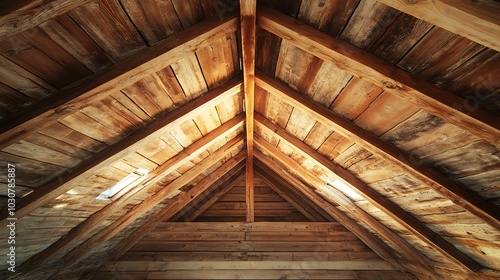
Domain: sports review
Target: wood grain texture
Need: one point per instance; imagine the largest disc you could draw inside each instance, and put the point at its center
(392, 79)
(477, 21)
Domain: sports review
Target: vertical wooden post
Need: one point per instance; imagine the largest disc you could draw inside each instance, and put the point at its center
(248, 9)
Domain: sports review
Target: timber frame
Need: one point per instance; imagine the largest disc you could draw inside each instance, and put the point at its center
(254, 146)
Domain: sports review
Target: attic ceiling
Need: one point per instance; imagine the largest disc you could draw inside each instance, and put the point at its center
(286, 140)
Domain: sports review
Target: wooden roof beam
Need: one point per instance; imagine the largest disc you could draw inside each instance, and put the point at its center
(280, 165)
(122, 148)
(85, 248)
(225, 176)
(115, 78)
(387, 206)
(475, 20)
(460, 195)
(20, 15)
(248, 10)
(94, 221)
(437, 101)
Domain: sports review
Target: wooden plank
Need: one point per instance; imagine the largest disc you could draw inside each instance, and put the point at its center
(469, 200)
(232, 274)
(392, 79)
(23, 16)
(384, 204)
(268, 265)
(118, 77)
(249, 191)
(125, 147)
(477, 21)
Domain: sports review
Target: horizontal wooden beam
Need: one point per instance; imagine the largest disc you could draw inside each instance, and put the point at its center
(261, 265)
(86, 247)
(460, 195)
(86, 227)
(439, 102)
(387, 206)
(115, 78)
(20, 15)
(244, 226)
(359, 214)
(122, 148)
(475, 20)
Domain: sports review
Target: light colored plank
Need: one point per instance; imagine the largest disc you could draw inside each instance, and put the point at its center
(477, 21)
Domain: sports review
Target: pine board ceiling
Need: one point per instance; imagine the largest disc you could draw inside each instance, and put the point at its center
(245, 115)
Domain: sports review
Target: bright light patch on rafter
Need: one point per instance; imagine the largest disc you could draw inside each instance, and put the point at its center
(339, 185)
(128, 182)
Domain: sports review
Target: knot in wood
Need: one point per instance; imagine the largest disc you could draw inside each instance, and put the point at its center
(389, 85)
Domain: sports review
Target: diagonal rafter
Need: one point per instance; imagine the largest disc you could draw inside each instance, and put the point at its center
(437, 101)
(117, 77)
(86, 247)
(94, 221)
(278, 165)
(124, 147)
(469, 200)
(248, 10)
(18, 16)
(387, 206)
(483, 24)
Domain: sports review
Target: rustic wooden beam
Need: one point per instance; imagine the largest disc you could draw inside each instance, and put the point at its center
(115, 78)
(248, 10)
(197, 210)
(18, 16)
(387, 206)
(475, 20)
(392, 79)
(225, 176)
(94, 221)
(379, 265)
(460, 195)
(359, 214)
(122, 148)
(249, 191)
(108, 232)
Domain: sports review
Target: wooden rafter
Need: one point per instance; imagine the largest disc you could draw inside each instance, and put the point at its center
(248, 11)
(475, 20)
(85, 248)
(225, 176)
(384, 204)
(124, 147)
(18, 16)
(469, 200)
(117, 77)
(395, 240)
(392, 79)
(94, 221)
